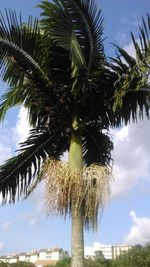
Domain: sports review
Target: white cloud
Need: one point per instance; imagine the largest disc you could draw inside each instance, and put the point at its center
(130, 48)
(131, 157)
(22, 127)
(5, 142)
(11, 136)
(139, 232)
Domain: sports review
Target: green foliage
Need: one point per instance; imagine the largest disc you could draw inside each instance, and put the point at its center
(4, 264)
(97, 263)
(66, 262)
(88, 263)
(22, 264)
(138, 256)
(17, 264)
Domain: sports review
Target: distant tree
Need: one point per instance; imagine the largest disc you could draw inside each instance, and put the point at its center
(66, 262)
(98, 262)
(21, 264)
(4, 264)
(99, 255)
(138, 256)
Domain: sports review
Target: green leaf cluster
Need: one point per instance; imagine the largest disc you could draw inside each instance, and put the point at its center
(138, 256)
(17, 264)
(66, 262)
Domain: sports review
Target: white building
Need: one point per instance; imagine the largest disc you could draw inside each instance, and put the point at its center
(9, 258)
(12, 259)
(22, 256)
(34, 256)
(120, 249)
(40, 259)
(107, 251)
(50, 256)
(104, 250)
(89, 253)
(3, 258)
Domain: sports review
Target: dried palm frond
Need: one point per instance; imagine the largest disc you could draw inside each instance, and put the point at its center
(66, 187)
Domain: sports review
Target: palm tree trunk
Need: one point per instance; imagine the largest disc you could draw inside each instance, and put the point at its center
(77, 246)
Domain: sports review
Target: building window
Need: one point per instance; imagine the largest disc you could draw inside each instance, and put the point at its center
(49, 256)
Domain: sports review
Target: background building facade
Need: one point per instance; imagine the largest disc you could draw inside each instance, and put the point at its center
(106, 251)
(39, 258)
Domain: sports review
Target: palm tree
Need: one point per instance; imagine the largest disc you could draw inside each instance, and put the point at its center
(56, 67)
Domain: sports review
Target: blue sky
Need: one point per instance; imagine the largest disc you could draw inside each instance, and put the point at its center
(126, 219)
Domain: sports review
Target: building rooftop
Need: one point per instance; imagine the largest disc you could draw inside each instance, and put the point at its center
(22, 253)
(34, 253)
(14, 256)
(50, 249)
(31, 253)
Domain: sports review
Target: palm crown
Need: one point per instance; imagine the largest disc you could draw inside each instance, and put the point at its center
(57, 69)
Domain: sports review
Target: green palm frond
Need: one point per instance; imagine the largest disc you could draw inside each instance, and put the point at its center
(20, 64)
(59, 28)
(16, 64)
(33, 99)
(97, 146)
(27, 94)
(126, 57)
(77, 26)
(135, 105)
(132, 74)
(98, 101)
(9, 99)
(142, 47)
(25, 35)
(89, 28)
(18, 173)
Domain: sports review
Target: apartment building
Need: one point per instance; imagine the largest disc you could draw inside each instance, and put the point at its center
(50, 256)
(119, 250)
(12, 259)
(106, 251)
(33, 256)
(9, 258)
(39, 258)
(98, 250)
(22, 256)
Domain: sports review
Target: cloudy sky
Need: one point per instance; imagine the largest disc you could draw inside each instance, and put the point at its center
(25, 225)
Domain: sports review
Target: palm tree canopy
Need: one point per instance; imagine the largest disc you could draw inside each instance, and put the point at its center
(56, 67)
